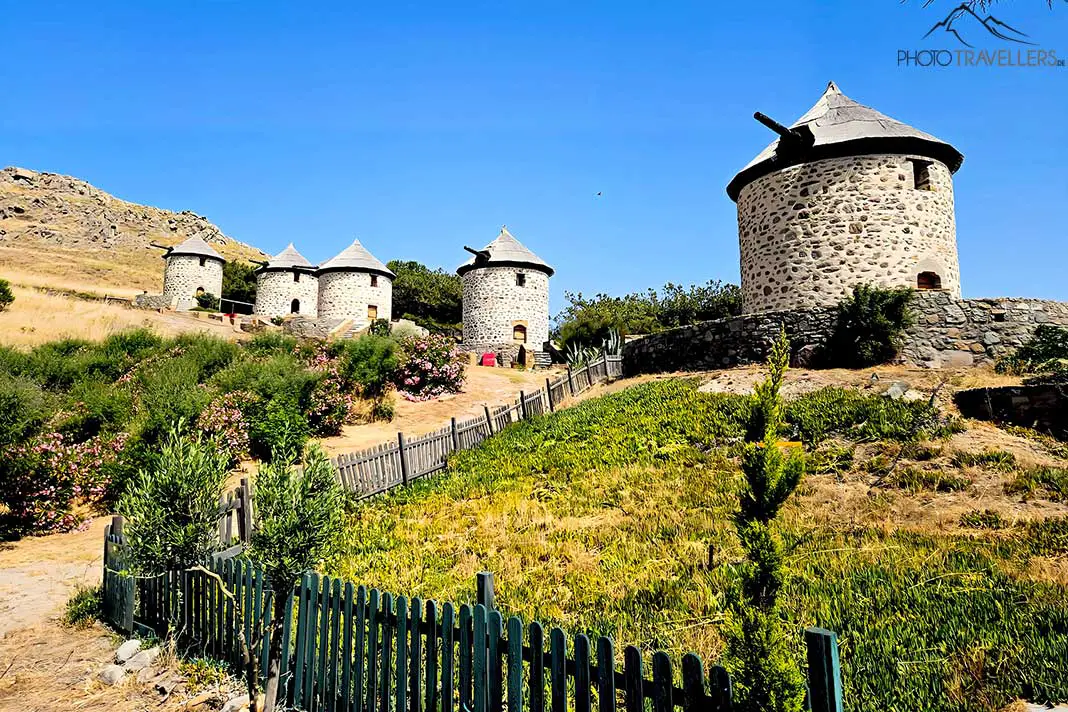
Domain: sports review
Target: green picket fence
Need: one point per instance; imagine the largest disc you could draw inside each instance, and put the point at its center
(353, 649)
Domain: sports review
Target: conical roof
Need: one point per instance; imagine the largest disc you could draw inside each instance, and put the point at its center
(838, 126)
(194, 246)
(287, 259)
(355, 258)
(505, 250)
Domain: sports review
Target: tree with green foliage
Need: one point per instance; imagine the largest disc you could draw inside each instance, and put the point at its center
(588, 321)
(299, 523)
(172, 509)
(6, 297)
(1045, 353)
(766, 675)
(239, 282)
(369, 362)
(431, 298)
(206, 301)
(870, 325)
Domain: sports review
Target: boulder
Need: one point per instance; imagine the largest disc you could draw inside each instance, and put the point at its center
(235, 703)
(112, 674)
(127, 650)
(142, 659)
(896, 390)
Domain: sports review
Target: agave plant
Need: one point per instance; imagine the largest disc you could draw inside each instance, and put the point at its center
(579, 355)
(613, 344)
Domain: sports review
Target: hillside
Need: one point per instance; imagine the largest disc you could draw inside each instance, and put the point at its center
(940, 561)
(60, 231)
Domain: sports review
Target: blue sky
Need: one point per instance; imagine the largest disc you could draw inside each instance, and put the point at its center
(420, 128)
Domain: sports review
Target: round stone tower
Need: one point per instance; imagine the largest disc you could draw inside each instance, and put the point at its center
(505, 297)
(355, 285)
(286, 284)
(192, 268)
(845, 196)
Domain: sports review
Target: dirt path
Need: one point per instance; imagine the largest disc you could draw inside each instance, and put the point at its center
(43, 665)
(485, 386)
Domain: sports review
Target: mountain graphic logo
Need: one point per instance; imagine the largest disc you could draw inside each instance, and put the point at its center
(963, 22)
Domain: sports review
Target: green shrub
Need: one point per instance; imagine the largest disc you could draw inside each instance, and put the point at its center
(239, 282)
(982, 519)
(830, 460)
(207, 301)
(430, 366)
(170, 393)
(24, 408)
(15, 362)
(370, 363)
(84, 607)
(383, 409)
(172, 509)
(281, 431)
(95, 408)
(277, 377)
(208, 354)
(271, 342)
(989, 459)
(1047, 482)
(860, 417)
(203, 673)
(380, 327)
(869, 327)
(7, 298)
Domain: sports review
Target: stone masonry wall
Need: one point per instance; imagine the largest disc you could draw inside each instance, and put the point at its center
(346, 295)
(493, 304)
(184, 275)
(809, 233)
(947, 333)
(951, 333)
(276, 290)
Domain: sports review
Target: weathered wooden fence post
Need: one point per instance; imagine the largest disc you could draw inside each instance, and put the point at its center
(549, 395)
(484, 589)
(455, 436)
(523, 404)
(570, 382)
(489, 420)
(403, 459)
(824, 670)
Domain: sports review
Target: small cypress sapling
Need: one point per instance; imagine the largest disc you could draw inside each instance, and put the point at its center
(767, 677)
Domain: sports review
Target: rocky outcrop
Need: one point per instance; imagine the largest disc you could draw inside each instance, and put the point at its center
(61, 211)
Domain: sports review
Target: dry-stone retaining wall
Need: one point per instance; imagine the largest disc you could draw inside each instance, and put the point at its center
(493, 303)
(276, 290)
(184, 275)
(947, 333)
(810, 232)
(963, 332)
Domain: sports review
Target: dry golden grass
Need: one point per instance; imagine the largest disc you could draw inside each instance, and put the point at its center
(36, 317)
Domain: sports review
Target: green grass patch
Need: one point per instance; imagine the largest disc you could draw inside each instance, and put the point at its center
(916, 479)
(599, 519)
(85, 607)
(989, 459)
(1044, 482)
(982, 519)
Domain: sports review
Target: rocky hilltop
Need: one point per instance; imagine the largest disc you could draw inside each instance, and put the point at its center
(58, 226)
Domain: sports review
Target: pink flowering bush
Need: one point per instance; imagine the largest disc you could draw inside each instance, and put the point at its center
(224, 420)
(45, 477)
(430, 367)
(333, 400)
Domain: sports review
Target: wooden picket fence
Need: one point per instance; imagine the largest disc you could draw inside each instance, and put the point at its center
(352, 649)
(399, 462)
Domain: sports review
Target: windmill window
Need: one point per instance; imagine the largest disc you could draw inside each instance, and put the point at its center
(519, 333)
(520, 279)
(921, 174)
(372, 312)
(294, 306)
(203, 261)
(296, 276)
(374, 280)
(928, 280)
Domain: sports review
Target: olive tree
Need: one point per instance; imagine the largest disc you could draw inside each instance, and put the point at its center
(299, 519)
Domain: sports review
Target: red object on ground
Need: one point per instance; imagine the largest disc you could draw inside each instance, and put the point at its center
(489, 359)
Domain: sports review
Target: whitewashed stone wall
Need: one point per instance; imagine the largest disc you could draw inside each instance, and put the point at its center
(346, 295)
(184, 275)
(493, 303)
(276, 290)
(809, 233)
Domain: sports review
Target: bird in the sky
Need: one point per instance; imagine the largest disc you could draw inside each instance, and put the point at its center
(598, 194)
